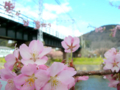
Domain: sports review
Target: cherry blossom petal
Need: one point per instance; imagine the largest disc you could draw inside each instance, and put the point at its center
(76, 41)
(110, 53)
(43, 67)
(16, 53)
(36, 46)
(55, 68)
(61, 86)
(65, 75)
(115, 69)
(26, 62)
(45, 51)
(20, 80)
(25, 52)
(27, 86)
(64, 44)
(10, 86)
(29, 69)
(108, 65)
(118, 64)
(71, 83)
(47, 87)
(7, 74)
(117, 57)
(76, 47)
(68, 40)
(42, 79)
(10, 61)
(40, 61)
(10, 57)
(83, 78)
(113, 83)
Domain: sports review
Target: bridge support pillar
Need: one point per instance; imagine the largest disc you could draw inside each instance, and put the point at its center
(64, 54)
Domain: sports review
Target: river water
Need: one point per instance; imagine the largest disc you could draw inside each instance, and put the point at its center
(94, 83)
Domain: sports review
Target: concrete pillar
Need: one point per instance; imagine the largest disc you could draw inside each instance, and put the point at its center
(64, 54)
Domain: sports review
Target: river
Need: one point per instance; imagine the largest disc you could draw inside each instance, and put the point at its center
(94, 83)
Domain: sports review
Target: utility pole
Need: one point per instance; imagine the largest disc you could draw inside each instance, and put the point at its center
(40, 6)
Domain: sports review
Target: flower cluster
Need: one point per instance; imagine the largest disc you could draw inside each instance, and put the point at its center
(112, 62)
(37, 24)
(9, 6)
(25, 69)
(114, 81)
(25, 23)
(114, 30)
(70, 44)
(118, 6)
(101, 29)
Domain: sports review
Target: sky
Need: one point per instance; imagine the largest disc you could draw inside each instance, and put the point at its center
(71, 17)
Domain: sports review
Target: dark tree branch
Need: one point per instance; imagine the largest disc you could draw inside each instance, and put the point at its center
(100, 72)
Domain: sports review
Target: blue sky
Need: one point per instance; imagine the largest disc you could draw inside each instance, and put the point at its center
(84, 12)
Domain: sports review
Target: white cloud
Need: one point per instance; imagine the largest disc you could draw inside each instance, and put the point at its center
(65, 30)
(58, 9)
(77, 33)
(83, 26)
(48, 15)
(51, 11)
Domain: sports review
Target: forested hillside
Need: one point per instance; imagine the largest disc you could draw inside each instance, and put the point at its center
(95, 40)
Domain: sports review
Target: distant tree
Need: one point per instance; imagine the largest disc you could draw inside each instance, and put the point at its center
(3, 42)
(88, 43)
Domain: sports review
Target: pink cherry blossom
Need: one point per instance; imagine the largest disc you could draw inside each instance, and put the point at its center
(12, 59)
(43, 67)
(7, 75)
(37, 24)
(113, 63)
(59, 77)
(26, 23)
(71, 44)
(119, 7)
(9, 6)
(0, 85)
(118, 27)
(113, 82)
(49, 24)
(114, 30)
(31, 78)
(17, 13)
(35, 53)
(99, 29)
(112, 52)
(77, 79)
(83, 78)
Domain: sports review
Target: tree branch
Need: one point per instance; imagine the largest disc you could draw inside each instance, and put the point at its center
(100, 72)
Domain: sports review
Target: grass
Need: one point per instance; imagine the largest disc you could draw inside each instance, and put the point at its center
(2, 60)
(87, 61)
(83, 61)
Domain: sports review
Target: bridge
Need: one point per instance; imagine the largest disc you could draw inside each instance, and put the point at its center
(11, 28)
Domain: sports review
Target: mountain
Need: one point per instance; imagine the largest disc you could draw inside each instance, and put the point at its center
(96, 40)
